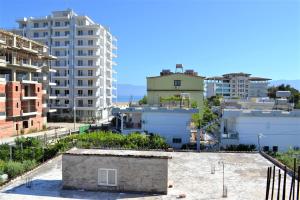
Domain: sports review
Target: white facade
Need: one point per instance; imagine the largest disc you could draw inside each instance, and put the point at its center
(269, 128)
(237, 85)
(84, 68)
(172, 124)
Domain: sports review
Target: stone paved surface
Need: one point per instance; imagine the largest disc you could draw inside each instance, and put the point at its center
(190, 173)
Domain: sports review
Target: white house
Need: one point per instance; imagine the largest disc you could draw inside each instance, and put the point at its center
(264, 128)
(172, 124)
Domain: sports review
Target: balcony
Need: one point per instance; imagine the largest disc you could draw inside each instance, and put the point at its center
(60, 47)
(63, 96)
(3, 61)
(87, 67)
(86, 96)
(60, 36)
(2, 40)
(60, 76)
(63, 106)
(86, 107)
(25, 79)
(61, 86)
(88, 86)
(28, 112)
(61, 27)
(88, 76)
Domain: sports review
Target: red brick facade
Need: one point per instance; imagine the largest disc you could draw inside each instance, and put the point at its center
(23, 115)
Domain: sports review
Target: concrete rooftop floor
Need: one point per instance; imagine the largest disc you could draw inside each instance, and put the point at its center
(190, 174)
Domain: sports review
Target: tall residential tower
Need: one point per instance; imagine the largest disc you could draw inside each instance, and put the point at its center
(84, 68)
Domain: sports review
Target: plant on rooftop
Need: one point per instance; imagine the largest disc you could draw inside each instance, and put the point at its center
(287, 158)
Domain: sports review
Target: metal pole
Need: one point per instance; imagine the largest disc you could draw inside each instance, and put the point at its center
(298, 183)
(294, 178)
(284, 184)
(273, 181)
(268, 183)
(278, 188)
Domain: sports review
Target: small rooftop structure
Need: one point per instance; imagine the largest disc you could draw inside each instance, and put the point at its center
(115, 170)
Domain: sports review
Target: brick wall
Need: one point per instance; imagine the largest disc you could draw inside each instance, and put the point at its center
(13, 98)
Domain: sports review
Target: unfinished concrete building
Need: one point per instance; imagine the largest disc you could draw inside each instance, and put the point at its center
(23, 100)
(115, 170)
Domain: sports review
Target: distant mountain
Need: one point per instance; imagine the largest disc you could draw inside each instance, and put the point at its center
(293, 83)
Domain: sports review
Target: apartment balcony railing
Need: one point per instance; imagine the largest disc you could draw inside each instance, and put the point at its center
(59, 105)
(86, 105)
(61, 86)
(28, 112)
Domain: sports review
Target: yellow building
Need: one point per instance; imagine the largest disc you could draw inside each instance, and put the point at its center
(169, 85)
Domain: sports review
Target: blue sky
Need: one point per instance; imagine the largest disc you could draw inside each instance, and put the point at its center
(213, 37)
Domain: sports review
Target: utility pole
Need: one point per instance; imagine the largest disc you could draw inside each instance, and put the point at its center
(258, 140)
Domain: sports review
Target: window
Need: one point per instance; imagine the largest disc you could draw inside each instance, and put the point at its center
(176, 140)
(67, 42)
(80, 63)
(79, 92)
(31, 122)
(17, 88)
(67, 23)
(35, 35)
(90, 72)
(56, 92)
(17, 105)
(90, 102)
(90, 52)
(107, 177)
(80, 52)
(80, 42)
(57, 43)
(90, 82)
(45, 34)
(57, 53)
(57, 33)
(25, 124)
(17, 126)
(177, 82)
(67, 101)
(79, 73)
(36, 25)
(79, 82)
(66, 92)
(90, 42)
(45, 24)
(90, 32)
(67, 33)
(90, 92)
(80, 32)
(90, 62)
(57, 23)
(38, 89)
(80, 103)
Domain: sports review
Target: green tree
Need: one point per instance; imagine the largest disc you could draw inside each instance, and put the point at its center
(295, 95)
(143, 100)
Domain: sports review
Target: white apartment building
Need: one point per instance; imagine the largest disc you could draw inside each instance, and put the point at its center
(240, 85)
(174, 124)
(84, 68)
(274, 129)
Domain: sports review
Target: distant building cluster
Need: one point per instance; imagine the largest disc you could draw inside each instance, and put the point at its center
(237, 85)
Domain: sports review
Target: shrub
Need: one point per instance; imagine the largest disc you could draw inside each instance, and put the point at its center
(4, 152)
(13, 169)
(29, 165)
(240, 147)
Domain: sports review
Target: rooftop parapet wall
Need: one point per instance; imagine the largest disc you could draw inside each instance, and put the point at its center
(259, 113)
